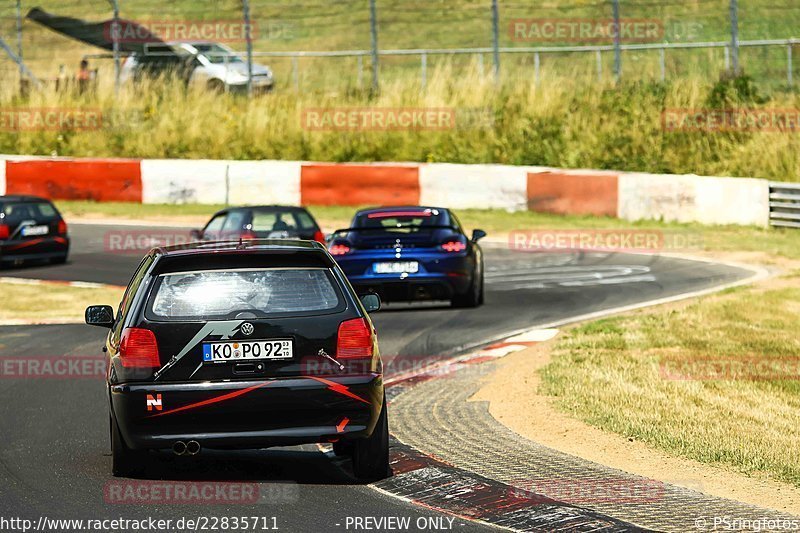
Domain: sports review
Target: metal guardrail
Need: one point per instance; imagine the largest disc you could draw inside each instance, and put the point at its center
(784, 204)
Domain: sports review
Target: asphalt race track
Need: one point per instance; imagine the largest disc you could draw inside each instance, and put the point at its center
(55, 458)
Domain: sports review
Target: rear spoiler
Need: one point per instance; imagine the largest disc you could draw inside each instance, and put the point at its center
(388, 228)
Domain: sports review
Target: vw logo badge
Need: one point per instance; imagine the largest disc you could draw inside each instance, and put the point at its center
(247, 328)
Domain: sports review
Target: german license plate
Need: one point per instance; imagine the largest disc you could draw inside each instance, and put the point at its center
(396, 267)
(31, 231)
(236, 351)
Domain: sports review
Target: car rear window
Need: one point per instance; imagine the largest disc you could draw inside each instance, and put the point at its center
(268, 220)
(19, 211)
(401, 218)
(225, 294)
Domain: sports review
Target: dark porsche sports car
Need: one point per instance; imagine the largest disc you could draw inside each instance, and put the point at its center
(261, 222)
(412, 253)
(243, 345)
(31, 229)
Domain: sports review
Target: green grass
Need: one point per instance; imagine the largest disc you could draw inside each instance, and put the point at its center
(609, 374)
(560, 124)
(25, 302)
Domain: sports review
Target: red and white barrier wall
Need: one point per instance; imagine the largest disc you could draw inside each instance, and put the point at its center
(631, 196)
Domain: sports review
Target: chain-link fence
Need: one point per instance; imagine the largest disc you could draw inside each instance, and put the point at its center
(340, 44)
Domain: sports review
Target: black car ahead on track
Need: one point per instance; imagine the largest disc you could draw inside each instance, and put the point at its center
(261, 222)
(31, 229)
(247, 345)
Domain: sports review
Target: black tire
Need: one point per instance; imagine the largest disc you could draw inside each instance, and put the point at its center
(371, 454)
(124, 461)
(60, 260)
(473, 297)
(216, 86)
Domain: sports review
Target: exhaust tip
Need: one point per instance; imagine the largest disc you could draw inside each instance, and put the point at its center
(192, 447)
(179, 448)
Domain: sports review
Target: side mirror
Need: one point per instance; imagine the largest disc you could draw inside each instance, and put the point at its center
(100, 315)
(196, 235)
(371, 302)
(478, 234)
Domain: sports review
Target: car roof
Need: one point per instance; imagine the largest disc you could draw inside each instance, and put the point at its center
(22, 198)
(244, 246)
(389, 209)
(190, 42)
(288, 208)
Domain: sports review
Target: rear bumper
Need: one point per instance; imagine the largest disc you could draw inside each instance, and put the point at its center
(412, 288)
(248, 414)
(440, 276)
(34, 249)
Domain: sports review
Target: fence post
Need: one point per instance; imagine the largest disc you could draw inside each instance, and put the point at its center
(360, 71)
(496, 39)
(727, 57)
(789, 65)
(249, 38)
(663, 60)
(424, 60)
(599, 57)
(617, 49)
(536, 66)
(735, 35)
(480, 64)
(19, 35)
(115, 45)
(296, 74)
(373, 22)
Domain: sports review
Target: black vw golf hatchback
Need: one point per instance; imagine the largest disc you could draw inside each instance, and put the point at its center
(246, 345)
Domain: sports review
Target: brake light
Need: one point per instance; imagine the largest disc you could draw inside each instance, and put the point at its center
(454, 246)
(138, 349)
(319, 237)
(248, 235)
(339, 249)
(354, 340)
(62, 227)
(5, 231)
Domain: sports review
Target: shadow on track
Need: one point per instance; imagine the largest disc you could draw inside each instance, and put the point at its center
(303, 467)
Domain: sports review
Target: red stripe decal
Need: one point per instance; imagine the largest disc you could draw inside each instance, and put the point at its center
(34, 242)
(338, 387)
(217, 399)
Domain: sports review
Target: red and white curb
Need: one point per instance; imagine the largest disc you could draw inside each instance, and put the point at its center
(494, 351)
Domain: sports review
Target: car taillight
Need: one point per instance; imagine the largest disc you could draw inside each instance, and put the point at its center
(454, 246)
(138, 349)
(339, 249)
(319, 237)
(354, 340)
(5, 231)
(62, 227)
(248, 236)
